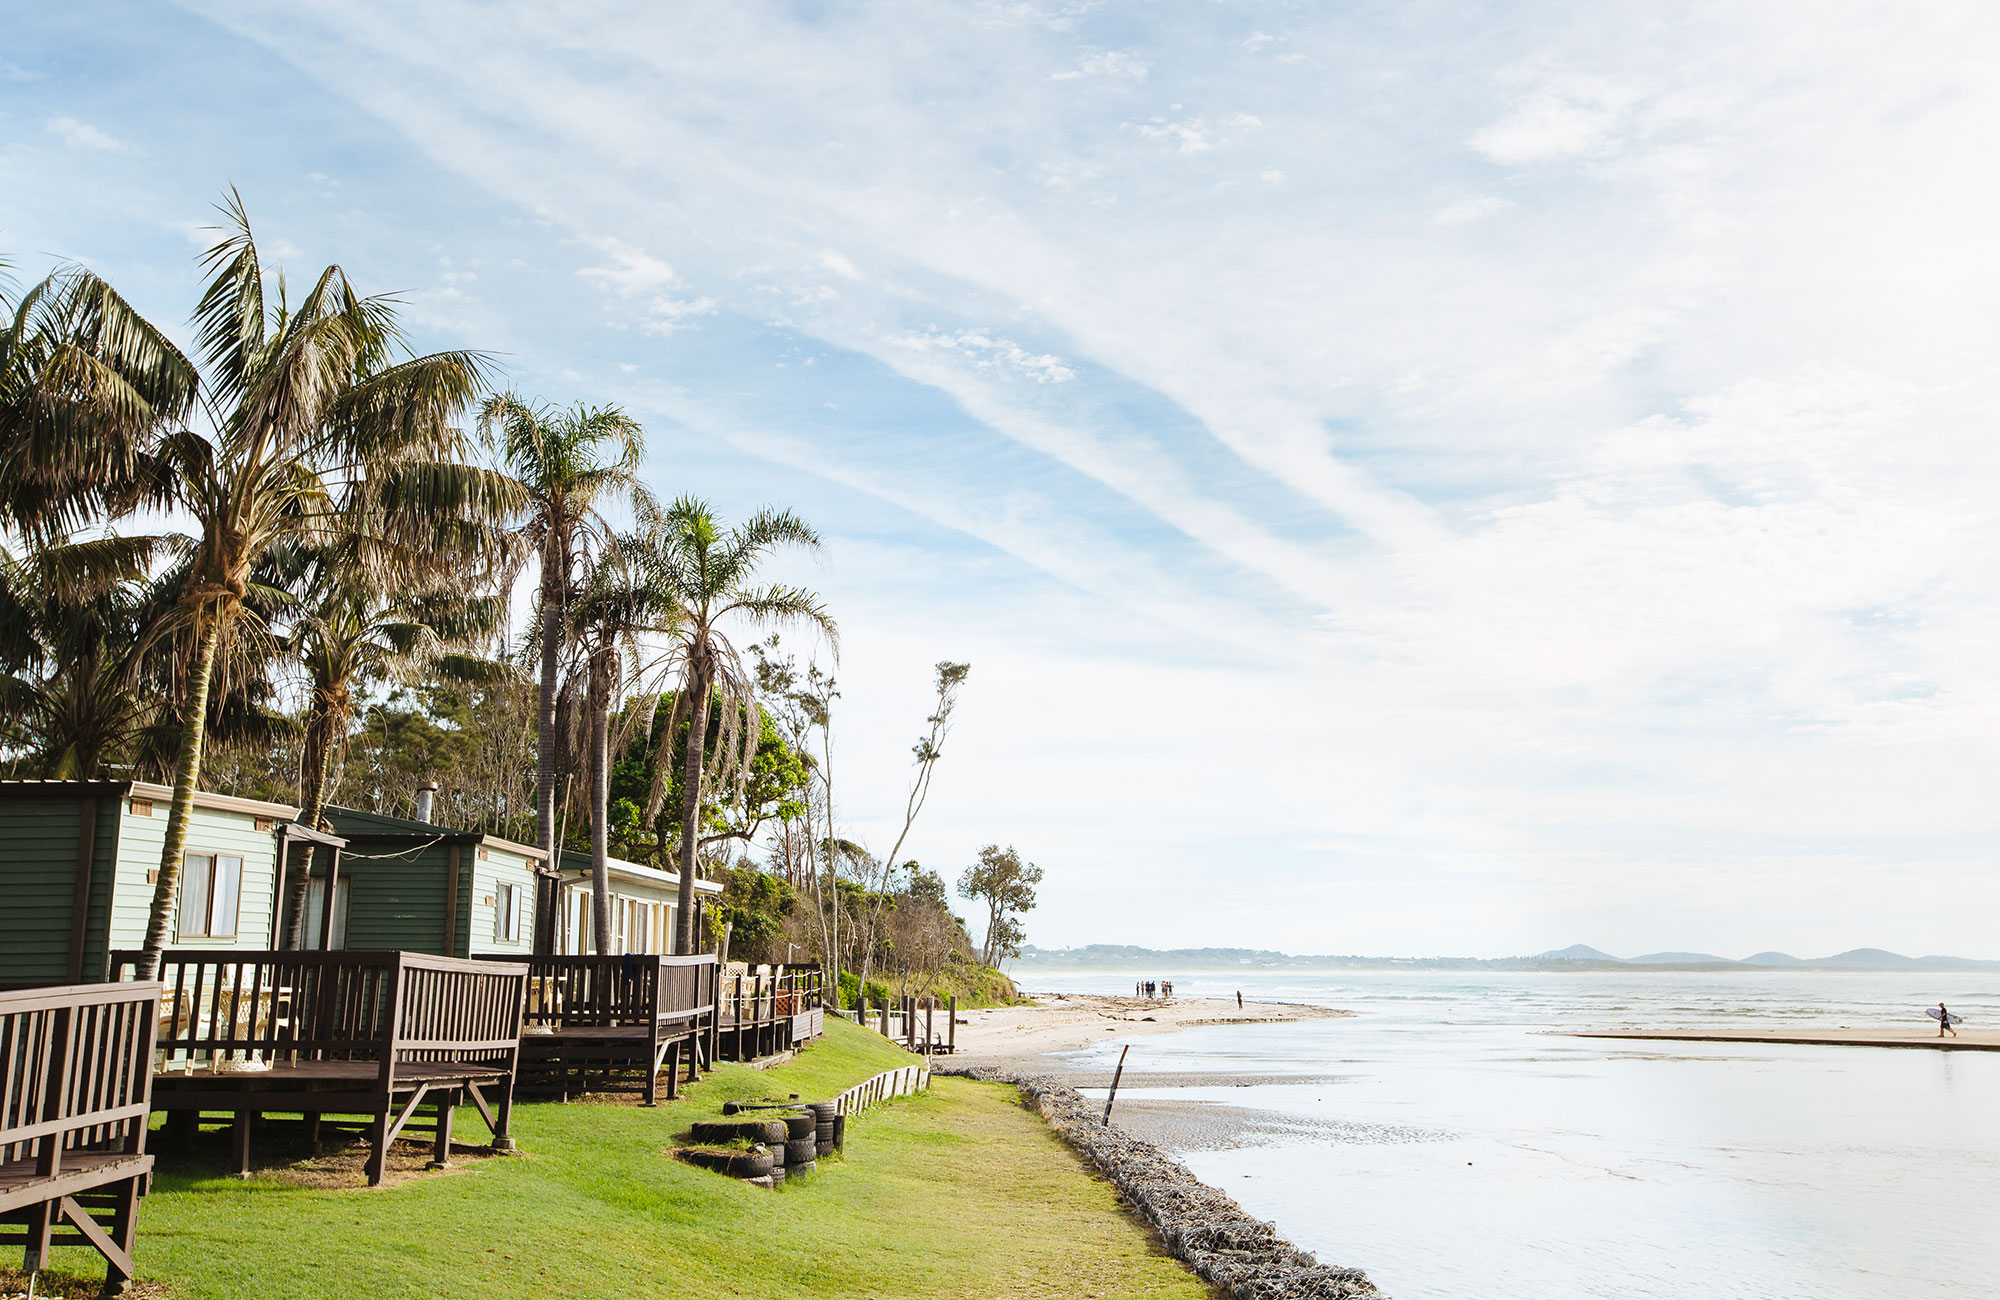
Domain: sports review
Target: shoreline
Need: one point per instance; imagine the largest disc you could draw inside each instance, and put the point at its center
(1201, 1226)
(1969, 1040)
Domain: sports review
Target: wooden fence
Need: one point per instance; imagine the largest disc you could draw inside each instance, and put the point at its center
(912, 1023)
(907, 1081)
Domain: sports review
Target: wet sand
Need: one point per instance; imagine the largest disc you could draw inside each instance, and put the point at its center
(1020, 1038)
(1968, 1040)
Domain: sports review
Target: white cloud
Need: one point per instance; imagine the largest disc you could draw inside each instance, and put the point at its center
(82, 135)
(1473, 207)
(838, 264)
(1566, 117)
(990, 352)
(1116, 64)
(629, 271)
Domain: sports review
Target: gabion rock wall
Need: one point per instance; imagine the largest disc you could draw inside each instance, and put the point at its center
(1204, 1228)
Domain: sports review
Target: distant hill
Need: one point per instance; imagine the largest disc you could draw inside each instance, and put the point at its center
(1576, 957)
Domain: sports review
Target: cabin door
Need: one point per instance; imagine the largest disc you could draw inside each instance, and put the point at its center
(316, 912)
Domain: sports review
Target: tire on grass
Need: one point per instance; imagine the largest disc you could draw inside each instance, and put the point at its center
(800, 1151)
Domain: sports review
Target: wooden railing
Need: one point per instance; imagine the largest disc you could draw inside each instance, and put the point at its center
(388, 1007)
(627, 989)
(760, 1007)
(610, 1014)
(75, 1092)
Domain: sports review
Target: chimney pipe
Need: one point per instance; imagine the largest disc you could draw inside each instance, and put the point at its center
(424, 793)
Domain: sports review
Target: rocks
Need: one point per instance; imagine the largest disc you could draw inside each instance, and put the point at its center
(1204, 1228)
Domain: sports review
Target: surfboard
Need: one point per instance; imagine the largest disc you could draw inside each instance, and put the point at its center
(1935, 1014)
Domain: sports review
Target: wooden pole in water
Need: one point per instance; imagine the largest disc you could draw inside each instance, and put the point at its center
(1115, 1077)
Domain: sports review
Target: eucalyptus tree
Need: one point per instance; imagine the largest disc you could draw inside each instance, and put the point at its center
(927, 751)
(709, 572)
(298, 403)
(569, 462)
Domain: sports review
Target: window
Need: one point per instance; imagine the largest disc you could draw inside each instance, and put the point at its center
(507, 913)
(211, 890)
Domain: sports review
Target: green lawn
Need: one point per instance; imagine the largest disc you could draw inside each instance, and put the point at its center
(961, 1193)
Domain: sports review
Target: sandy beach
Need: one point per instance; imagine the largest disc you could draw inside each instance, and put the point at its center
(1020, 1037)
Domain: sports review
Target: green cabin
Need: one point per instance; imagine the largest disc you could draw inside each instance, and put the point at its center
(421, 887)
(644, 904)
(78, 864)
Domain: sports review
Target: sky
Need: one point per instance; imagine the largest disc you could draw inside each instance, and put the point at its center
(1409, 478)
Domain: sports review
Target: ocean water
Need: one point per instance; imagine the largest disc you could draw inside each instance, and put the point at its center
(1451, 1140)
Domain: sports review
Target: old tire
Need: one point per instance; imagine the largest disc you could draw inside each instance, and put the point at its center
(823, 1148)
(800, 1151)
(750, 1164)
(799, 1171)
(715, 1160)
(800, 1126)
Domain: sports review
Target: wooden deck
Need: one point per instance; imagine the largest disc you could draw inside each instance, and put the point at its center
(369, 1034)
(75, 1074)
(591, 1019)
(769, 1009)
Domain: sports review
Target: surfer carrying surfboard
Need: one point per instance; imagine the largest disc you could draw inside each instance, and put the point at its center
(1944, 1019)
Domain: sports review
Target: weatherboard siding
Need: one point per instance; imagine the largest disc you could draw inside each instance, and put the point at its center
(396, 902)
(497, 867)
(38, 885)
(210, 830)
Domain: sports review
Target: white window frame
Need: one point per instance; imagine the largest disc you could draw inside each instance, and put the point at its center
(208, 869)
(506, 912)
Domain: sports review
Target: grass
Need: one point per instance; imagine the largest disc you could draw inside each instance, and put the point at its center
(960, 1193)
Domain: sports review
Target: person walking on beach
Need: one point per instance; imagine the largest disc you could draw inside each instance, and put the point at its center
(1944, 1022)
(1239, 999)
(1166, 988)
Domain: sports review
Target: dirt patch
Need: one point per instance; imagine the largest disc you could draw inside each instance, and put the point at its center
(279, 1151)
(67, 1286)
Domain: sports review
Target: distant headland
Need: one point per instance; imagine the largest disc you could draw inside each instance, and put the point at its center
(1577, 957)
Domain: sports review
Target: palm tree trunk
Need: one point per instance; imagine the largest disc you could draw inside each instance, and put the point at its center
(697, 741)
(545, 733)
(312, 806)
(600, 807)
(187, 777)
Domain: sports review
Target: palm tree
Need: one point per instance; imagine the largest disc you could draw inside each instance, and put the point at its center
(86, 384)
(558, 459)
(301, 402)
(617, 606)
(708, 572)
(351, 632)
(78, 622)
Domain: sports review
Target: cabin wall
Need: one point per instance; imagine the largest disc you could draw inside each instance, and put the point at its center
(491, 868)
(38, 867)
(398, 902)
(642, 917)
(210, 830)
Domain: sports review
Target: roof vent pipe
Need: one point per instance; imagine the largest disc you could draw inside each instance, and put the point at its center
(424, 793)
